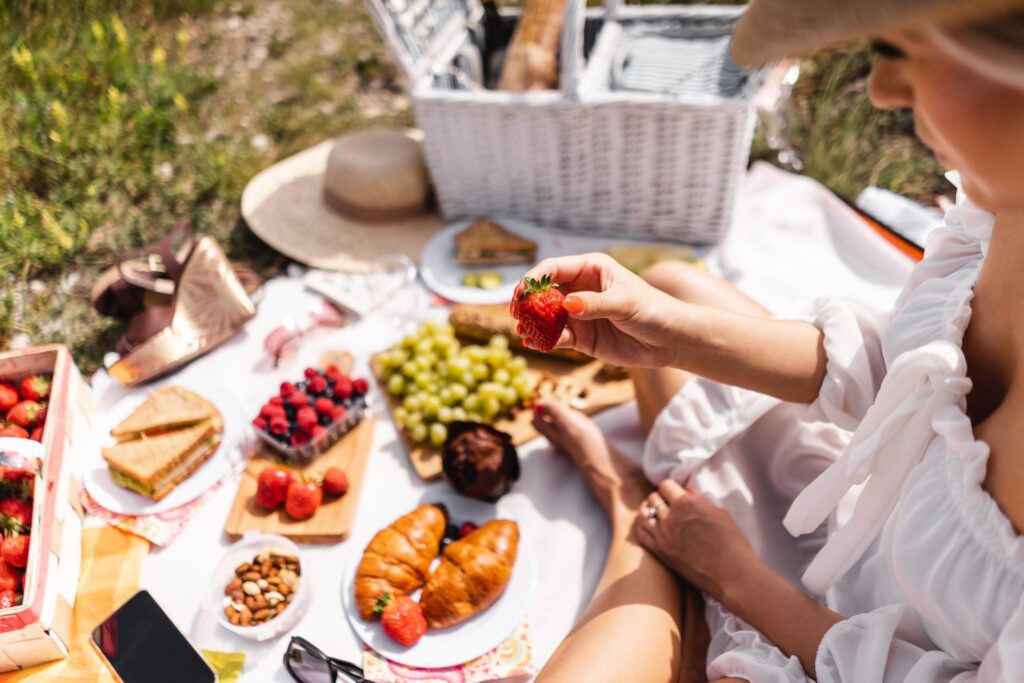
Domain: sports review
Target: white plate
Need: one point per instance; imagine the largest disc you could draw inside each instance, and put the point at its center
(440, 648)
(443, 273)
(101, 486)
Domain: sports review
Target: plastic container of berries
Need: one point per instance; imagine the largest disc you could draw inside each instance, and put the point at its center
(308, 417)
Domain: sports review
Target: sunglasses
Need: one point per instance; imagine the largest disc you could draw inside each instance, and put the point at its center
(308, 664)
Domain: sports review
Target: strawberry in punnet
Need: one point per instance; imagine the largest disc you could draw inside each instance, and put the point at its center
(335, 481)
(15, 514)
(8, 396)
(9, 599)
(10, 577)
(303, 499)
(540, 313)
(24, 414)
(272, 486)
(35, 388)
(15, 431)
(401, 618)
(14, 550)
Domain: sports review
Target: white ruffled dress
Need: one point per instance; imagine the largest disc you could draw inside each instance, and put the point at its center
(872, 496)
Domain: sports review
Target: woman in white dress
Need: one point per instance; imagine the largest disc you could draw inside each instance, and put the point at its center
(846, 492)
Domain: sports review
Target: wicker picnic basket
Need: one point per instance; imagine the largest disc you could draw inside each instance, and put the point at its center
(647, 135)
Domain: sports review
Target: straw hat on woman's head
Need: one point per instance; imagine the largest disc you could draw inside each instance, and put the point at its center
(346, 201)
(772, 29)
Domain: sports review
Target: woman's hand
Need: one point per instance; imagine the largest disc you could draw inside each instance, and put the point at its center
(696, 539)
(613, 314)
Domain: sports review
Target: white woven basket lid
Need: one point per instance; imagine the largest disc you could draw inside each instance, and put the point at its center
(422, 33)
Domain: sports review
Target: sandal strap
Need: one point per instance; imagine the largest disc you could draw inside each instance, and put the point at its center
(164, 248)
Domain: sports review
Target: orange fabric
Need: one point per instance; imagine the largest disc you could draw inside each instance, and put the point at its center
(111, 563)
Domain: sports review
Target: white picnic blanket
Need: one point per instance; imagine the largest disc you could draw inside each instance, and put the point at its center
(791, 242)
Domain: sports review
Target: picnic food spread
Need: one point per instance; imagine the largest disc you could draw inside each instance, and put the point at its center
(163, 441)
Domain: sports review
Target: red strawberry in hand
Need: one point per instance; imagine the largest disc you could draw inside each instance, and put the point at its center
(335, 481)
(14, 431)
(401, 618)
(8, 396)
(303, 499)
(25, 414)
(14, 550)
(15, 513)
(10, 577)
(540, 313)
(9, 599)
(272, 486)
(35, 388)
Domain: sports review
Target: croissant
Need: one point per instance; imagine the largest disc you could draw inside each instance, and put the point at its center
(473, 573)
(397, 559)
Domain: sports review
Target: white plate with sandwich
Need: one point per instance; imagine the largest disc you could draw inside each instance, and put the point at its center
(161, 450)
(496, 250)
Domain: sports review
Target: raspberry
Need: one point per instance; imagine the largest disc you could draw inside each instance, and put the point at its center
(361, 385)
(276, 401)
(298, 399)
(259, 423)
(279, 425)
(306, 419)
(287, 388)
(299, 439)
(323, 405)
(343, 388)
(310, 373)
(317, 432)
(338, 413)
(317, 385)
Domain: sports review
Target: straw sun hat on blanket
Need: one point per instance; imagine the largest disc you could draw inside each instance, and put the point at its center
(772, 29)
(345, 201)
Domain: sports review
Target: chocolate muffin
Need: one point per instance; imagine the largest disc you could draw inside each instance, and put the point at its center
(479, 461)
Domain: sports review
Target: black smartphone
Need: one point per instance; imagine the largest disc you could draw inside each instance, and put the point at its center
(142, 645)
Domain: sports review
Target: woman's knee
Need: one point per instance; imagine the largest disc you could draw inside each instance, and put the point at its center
(678, 279)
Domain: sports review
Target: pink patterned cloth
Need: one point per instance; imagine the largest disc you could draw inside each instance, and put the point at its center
(511, 659)
(159, 529)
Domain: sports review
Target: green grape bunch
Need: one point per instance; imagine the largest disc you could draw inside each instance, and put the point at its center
(439, 381)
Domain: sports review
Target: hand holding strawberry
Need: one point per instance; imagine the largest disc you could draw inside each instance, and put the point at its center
(401, 618)
(541, 315)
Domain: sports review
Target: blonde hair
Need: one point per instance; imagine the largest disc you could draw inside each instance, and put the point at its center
(994, 47)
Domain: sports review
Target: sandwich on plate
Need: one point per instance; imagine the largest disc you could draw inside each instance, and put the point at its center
(164, 441)
(485, 242)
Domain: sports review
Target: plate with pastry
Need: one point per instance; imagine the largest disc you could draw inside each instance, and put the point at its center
(431, 591)
(162, 449)
(480, 261)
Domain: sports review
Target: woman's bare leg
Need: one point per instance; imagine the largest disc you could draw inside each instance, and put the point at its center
(655, 388)
(633, 628)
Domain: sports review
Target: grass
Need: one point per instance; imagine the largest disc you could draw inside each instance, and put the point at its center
(119, 116)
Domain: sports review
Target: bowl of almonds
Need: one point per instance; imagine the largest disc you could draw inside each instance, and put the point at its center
(260, 587)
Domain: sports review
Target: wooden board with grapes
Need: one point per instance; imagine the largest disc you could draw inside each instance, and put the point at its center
(432, 378)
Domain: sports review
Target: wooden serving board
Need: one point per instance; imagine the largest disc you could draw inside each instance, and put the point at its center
(565, 376)
(335, 518)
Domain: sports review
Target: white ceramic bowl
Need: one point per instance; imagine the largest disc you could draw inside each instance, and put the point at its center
(250, 545)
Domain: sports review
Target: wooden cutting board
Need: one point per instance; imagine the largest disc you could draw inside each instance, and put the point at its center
(560, 377)
(335, 518)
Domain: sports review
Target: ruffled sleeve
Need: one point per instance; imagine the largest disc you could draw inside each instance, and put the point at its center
(855, 365)
(879, 647)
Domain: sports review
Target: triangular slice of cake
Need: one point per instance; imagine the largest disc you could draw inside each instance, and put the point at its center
(485, 242)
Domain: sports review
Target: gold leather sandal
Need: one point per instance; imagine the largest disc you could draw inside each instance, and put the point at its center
(209, 305)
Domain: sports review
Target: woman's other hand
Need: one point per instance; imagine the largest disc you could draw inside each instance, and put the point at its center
(613, 314)
(696, 539)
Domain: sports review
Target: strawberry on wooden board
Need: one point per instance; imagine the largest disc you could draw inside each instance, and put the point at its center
(35, 388)
(14, 550)
(401, 618)
(25, 414)
(540, 313)
(8, 396)
(335, 481)
(272, 486)
(303, 499)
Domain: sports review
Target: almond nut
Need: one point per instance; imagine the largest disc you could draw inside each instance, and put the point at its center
(235, 583)
(263, 614)
(259, 602)
(234, 618)
(245, 616)
(242, 568)
(250, 601)
(284, 589)
(237, 594)
(280, 607)
(251, 576)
